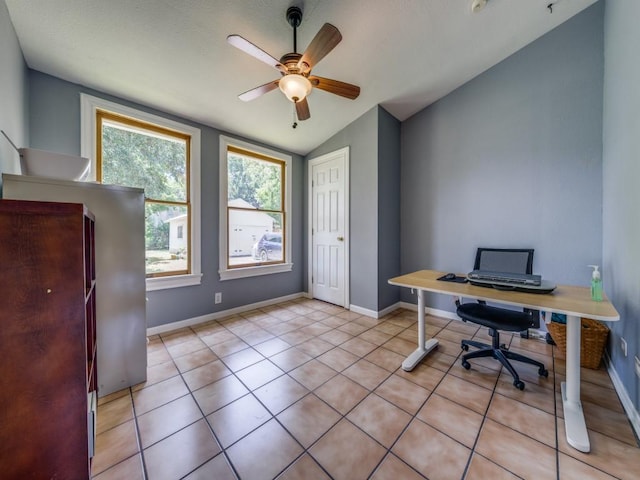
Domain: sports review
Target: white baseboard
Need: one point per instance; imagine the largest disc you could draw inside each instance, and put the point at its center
(189, 322)
(627, 403)
(429, 311)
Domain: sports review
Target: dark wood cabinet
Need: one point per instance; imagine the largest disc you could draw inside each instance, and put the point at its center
(47, 340)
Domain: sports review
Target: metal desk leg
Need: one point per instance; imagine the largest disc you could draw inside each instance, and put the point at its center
(423, 347)
(574, 423)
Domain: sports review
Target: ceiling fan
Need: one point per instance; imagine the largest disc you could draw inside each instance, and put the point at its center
(296, 82)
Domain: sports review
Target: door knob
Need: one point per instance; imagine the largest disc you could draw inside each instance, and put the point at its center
(341, 239)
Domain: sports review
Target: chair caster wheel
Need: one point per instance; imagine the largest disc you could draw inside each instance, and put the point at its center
(466, 365)
(543, 372)
(519, 384)
(465, 347)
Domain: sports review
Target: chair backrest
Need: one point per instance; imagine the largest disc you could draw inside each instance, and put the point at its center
(510, 260)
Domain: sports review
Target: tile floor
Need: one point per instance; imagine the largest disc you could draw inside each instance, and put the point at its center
(307, 390)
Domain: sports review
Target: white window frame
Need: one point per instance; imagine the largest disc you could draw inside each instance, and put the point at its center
(253, 270)
(88, 108)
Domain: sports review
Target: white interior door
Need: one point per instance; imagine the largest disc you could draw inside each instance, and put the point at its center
(329, 241)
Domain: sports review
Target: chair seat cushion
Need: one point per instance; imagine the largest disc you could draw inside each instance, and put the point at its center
(497, 318)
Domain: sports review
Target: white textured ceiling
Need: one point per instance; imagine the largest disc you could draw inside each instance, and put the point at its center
(172, 54)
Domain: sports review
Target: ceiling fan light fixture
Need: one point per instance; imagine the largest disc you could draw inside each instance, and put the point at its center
(295, 87)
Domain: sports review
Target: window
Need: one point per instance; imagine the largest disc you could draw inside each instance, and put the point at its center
(136, 149)
(255, 229)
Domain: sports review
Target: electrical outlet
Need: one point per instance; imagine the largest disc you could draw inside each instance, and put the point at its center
(218, 299)
(623, 345)
(637, 366)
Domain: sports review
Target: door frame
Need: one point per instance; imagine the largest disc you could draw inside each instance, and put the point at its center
(312, 162)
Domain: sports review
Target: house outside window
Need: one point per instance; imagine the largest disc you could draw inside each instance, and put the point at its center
(136, 149)
(255, 191)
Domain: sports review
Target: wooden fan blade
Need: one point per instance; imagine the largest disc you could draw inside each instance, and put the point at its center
(247, 47)
(258, 91)
(324, 41)
(302, 110)
(336, 87)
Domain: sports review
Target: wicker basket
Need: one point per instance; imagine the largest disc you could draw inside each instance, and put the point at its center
(593, 338)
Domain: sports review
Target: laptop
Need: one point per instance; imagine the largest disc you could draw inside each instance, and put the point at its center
(505, 278)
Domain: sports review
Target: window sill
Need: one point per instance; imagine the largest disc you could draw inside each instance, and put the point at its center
(234, 273)
(162, 283)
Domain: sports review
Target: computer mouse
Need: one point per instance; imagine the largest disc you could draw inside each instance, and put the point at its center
(450, 276)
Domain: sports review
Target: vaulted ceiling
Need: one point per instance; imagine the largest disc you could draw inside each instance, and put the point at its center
(173, 55)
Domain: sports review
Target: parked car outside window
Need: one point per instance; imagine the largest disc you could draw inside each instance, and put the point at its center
(269, 247)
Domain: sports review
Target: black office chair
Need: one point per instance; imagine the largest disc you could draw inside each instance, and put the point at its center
(500, 260)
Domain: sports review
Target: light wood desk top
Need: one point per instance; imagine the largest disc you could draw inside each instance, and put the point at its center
(570, 300)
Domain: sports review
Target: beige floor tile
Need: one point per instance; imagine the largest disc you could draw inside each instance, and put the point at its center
(114, 446)
(469, 329)
(221, 335)
(523, 418)
(616, 458)
(196, 359)
(358, 347)
(295, 337)
(188, 347)
(572, 469)
(375, 336)
(460, 423)
(217, 468)
(264, 453)
(513, 451)
(482, 376)
(272, 347)
(389, 328)
(609, 422)
(167, 419)
(392, 468)
(533, 394)
(161, 355)
(380, 419)
(289, 359)
(341, 393)
(158, 394)
(280, 393)
(113, 396)
(257, 336)
(205, 375)
(114, 413)
(317, 328)
(229, 347)
(403, 393)
(315, 347)
(237, 419)
(482, 469)
(423, 375)
(218, 394)
(431, 453)
(338, 359)
(440, 360)
(304, 468)
(131, 469)
(466, 394)
(242, 359)
(308, 419)
(390, 361)
(181, 453)
(313, 374)
(336, 337)
(158, 373)
(347, 453)
(401, 346)
(259, 374)
(366, 374)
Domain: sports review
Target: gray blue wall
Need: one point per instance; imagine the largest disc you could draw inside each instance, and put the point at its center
(388, 208)
(621, 159)
(13, 95)
(513, 158)
(54, 116)
(361, 136)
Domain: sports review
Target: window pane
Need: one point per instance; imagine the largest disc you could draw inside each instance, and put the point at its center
(137, 159)
(165, 251)
(256, 182)
(254, 237)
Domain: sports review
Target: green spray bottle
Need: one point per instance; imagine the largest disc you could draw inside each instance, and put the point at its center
(596, 284)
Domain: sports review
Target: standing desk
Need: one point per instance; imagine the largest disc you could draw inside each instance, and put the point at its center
(574, 302)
